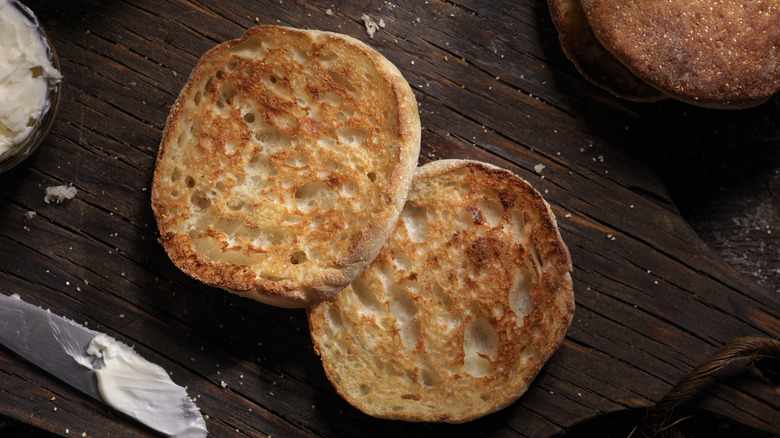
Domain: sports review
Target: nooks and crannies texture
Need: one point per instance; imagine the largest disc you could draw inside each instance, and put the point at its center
(457, 314)
(285, 163)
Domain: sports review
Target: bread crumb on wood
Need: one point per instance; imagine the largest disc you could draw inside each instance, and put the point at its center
(30, 215)
(371, 26)
(539, 168)
(57, 194)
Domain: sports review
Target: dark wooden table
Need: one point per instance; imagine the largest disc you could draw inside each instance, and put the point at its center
(670, 213)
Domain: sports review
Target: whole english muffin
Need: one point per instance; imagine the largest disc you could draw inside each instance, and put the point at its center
(704, 52)
(462, 307)
(284, 164)
(591, 59)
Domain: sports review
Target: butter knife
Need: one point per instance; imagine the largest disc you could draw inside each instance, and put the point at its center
(99, 366)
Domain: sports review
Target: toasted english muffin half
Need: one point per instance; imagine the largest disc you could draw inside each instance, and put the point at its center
(597, 64)
(460, 310)
(711, 54)
(284, 164)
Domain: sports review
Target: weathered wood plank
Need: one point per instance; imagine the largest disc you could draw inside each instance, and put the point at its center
(492, 84)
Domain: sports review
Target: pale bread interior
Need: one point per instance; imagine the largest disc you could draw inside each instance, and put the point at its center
(462, 307)
(285, 163)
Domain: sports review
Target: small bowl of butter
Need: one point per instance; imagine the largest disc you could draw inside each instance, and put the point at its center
(30, 83)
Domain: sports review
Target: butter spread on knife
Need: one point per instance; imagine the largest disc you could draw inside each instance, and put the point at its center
(100, 366)
(143, 390)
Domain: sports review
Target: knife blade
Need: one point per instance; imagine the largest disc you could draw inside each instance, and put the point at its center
(99, 366)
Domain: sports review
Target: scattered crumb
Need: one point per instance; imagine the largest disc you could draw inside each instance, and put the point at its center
(223, 384)
(371, 26)
(539, 168)
(328, 11)
(30, 215)
(57, 194)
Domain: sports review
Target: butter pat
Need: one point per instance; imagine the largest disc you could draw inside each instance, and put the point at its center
(143, 390)
(27, 75)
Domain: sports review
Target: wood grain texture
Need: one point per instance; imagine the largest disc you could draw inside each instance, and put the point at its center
(653, 298)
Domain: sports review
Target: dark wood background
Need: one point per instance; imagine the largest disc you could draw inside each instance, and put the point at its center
(670, 213)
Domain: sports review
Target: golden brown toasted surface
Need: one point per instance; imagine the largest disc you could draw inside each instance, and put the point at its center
(457, 314)
(712, 54)
(591, 59)
(284, 164)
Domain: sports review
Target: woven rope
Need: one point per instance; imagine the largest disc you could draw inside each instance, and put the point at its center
(752, 348)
